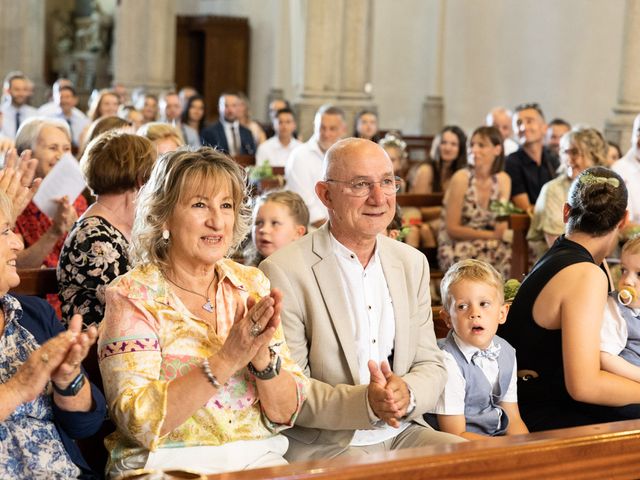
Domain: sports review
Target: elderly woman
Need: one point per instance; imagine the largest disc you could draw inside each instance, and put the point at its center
(45, 400)
(115, 166)
(192, 353)
(49, 140)
(580, 148)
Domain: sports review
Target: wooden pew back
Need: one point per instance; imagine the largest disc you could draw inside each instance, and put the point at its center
(610, 450)
(519, 223)
(37, 282)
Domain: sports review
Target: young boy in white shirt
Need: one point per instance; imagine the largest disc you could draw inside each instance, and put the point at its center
(480, 397)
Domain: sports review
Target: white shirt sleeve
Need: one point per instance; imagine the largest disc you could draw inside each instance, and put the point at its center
(451, 401)
(512, 392)
(301, 179)
(261, 154)
(613, 333)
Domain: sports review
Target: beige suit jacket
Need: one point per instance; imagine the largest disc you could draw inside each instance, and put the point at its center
(320, 337)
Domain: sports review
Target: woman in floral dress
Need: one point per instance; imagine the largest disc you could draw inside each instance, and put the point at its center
(469, 229)
(115, 165)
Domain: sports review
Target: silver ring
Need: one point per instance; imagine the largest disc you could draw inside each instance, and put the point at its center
(256, 329)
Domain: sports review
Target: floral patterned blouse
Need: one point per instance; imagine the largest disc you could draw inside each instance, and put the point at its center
(30, 445)
(148, 338)
(94, 253)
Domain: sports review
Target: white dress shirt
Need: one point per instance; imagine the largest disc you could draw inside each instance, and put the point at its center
(628, 167)
(230, 132)
(372, 321)
(277, 154)
(302, 172)
(78, 121)
(9, 117)
(452, 399)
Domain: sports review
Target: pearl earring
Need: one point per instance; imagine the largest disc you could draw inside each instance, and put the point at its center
(165, 235)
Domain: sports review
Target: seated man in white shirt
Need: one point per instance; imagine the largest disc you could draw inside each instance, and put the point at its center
(65, 99)
(501, 118)
(357, 317)
(628, 167)
(278, 148)
(304, 167)
(15, 109)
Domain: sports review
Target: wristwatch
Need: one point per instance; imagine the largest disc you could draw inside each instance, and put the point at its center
(272, 370)
(73, 388)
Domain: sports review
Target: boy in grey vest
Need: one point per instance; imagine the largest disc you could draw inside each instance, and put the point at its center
(480, 397)
(620, 333)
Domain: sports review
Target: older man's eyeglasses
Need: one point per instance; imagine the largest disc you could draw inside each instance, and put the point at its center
(361, 187)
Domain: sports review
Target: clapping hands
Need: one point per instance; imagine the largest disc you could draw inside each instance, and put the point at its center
(388, 394)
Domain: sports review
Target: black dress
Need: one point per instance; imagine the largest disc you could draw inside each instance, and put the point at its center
(544, 401)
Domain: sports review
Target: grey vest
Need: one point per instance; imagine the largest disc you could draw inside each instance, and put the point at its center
(481, 405)
(631, 352)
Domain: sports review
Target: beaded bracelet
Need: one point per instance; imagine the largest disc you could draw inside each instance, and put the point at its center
(210, 376)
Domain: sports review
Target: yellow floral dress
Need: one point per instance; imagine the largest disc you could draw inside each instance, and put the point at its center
(148, 338)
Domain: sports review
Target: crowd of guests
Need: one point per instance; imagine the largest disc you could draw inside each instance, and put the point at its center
(328, 347)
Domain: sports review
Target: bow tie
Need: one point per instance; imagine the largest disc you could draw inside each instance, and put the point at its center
(490, 353)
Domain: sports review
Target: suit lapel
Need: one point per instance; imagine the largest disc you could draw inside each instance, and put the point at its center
(223, 145)
(327, 275)
(394, 274)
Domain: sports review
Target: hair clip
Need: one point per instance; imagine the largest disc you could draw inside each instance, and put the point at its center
(591, 179)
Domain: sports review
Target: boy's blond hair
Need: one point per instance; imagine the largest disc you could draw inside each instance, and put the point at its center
(631, 246)
(473, 270)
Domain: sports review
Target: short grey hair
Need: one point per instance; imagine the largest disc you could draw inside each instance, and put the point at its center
(30, 130)
(173, 176)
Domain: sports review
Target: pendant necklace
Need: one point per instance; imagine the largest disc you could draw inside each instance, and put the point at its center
(208, 306)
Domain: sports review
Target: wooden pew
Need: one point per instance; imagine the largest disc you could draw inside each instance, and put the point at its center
(519, 223)
(609, 450)
(418, 147)
(37, 282)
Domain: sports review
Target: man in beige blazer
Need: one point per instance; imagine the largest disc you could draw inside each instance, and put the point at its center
(354, 301)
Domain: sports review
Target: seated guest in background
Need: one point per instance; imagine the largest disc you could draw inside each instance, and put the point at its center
(469, 229)
(45, 400)
(227, 134)
(192, 120)
(148, 106)
(244, 115)
(279, 218)
(192, 336)
(278, 148)
(613, 154)
(304, 167)
(532, 165)
(450, 155)
(105, 124)
(104, 104)
(502, 119)
(170, 108)
(396, 148)
(628, 167)
(366, 125)
(579, 149)
(48, 139)
(129, 113)
(355, 300)
(115, 166)
(66, 101)
(274, 106)
(165, 137)
(555, 319)
(15, 109)
(185, 93)
(556, 129)
(480, 397)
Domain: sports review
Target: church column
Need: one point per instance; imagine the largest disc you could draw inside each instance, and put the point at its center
(145, 44)
(22, 40)
(342, 79)
(618, 127)
(433, 106)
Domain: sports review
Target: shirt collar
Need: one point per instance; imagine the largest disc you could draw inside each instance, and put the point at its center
(343, 252)
(466, 349)
(229, 124)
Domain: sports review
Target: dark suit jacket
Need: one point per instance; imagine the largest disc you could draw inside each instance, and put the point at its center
(214, 136)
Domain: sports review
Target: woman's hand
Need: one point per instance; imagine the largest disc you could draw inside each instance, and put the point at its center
(65, 217)
(33, 375)
(262, 358)
(500, 229)
(70, 366)
(243, 344)
(17, 179)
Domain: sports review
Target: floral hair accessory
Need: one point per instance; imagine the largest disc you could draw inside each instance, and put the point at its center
(591, 179)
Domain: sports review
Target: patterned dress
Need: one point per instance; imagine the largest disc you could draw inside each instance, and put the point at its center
(148, 338)
(493, 251)
(94, 253)
(32, 223)
(30, 445)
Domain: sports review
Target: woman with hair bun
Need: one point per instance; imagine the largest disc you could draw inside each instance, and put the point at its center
(554, 321)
